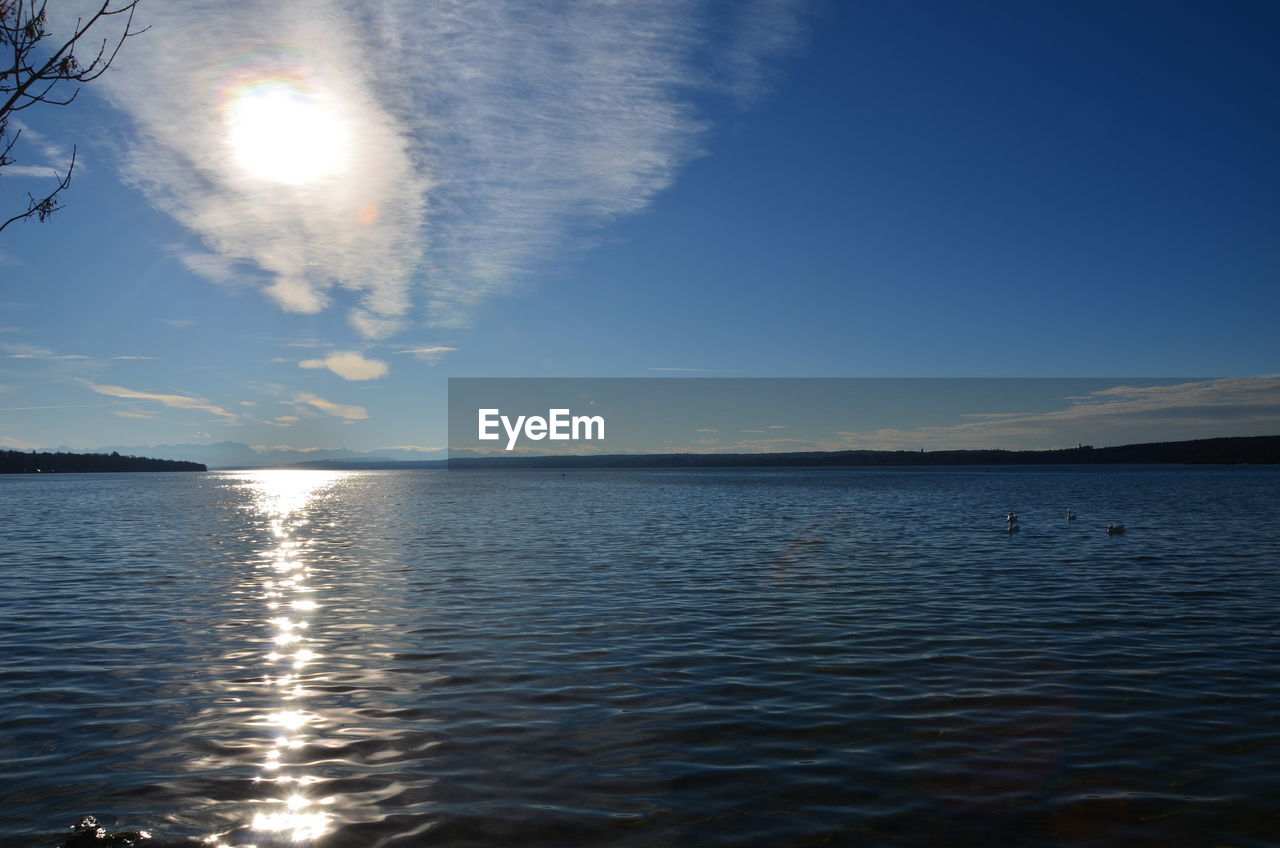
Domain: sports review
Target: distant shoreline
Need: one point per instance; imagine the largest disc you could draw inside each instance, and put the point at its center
(1238, 450)
(1241, 450)
(18, 462)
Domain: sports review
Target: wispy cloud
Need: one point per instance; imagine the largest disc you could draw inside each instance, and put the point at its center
(27, 351)
(48, 171)
(488, 136)
(56, 406)
(349, 365)
(133, 357)
(133, 413)
(56, 158)
(430, 353)
(338, 410)
(171, 400)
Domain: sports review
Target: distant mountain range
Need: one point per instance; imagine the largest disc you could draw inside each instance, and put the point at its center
(240, 455)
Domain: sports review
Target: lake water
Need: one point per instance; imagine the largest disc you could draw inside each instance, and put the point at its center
(643, 658)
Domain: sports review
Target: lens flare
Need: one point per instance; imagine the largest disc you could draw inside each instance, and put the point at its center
(280, 130)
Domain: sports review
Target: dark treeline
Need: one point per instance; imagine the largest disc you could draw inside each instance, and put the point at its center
(1262, 450)
(17, 462)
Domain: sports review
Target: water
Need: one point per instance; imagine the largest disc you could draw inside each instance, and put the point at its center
(644, 658)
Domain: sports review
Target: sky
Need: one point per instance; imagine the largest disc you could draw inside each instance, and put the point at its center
(292, 222)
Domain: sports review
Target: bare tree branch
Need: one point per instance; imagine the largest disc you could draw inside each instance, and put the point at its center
(25, 82)
(45, 206)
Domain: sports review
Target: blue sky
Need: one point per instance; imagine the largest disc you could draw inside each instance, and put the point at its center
(586, 189)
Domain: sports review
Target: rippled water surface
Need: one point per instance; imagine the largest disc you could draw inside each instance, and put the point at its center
(643, 658)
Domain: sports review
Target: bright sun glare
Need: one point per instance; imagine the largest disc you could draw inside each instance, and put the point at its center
(280, 131)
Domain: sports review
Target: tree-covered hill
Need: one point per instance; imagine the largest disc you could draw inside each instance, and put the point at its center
(17, 462)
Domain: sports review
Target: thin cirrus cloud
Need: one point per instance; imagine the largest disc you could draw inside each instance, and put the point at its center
(349, 365)
(28, 351)
(307, 400)
(175, 401)
(471, 141)
(430, 353)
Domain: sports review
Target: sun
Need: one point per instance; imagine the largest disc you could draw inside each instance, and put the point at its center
(280, 131)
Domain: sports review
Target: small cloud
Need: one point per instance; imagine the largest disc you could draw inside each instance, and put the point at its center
(248, 403)
(706, 430)
(27, 351)
(373, 326)
(338, 410)
(33, 171)
(133, 357)
(57, 158)
(211, 266)
(752, 431)
(430, 353)
(307, 343)
(178, 322)
(284, 421)
(349, 365)
(132, 413)
(174, 401)
(778, 426)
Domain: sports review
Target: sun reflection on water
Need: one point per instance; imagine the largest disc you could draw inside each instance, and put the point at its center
(289, 811)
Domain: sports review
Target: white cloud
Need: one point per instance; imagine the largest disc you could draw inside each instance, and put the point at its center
(57, 158)
(132, 357)
(27, 351)
(349, 365)
(430, 353)
(338, 410)
(47, 171)
(172, 400)
(486, 136)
